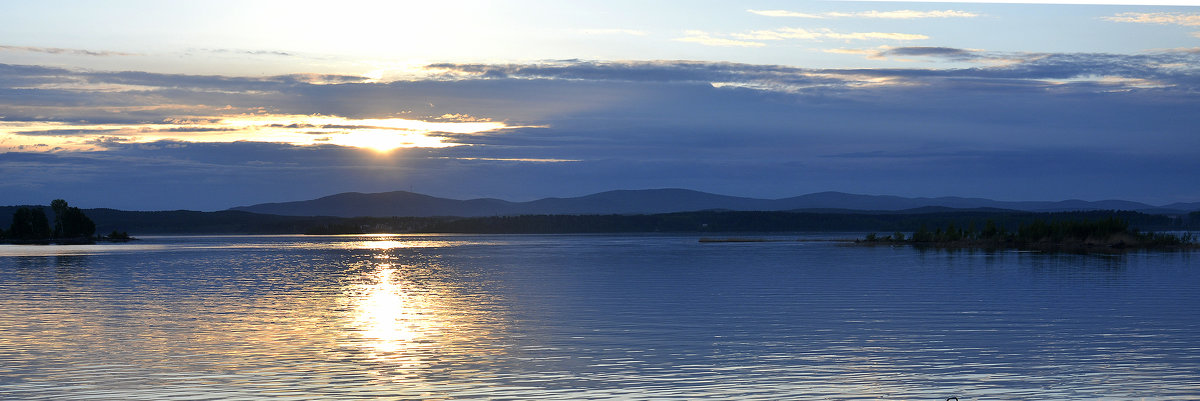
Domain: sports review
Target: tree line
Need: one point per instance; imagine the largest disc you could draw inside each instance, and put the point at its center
(737, 221)
(1084, 235)
(70, 225)
(237, 222)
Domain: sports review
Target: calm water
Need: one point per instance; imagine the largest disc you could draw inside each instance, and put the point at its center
(572, 317)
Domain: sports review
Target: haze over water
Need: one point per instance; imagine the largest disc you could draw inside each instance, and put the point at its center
(570, 317)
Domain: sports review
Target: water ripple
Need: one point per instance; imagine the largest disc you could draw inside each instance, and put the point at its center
(571, 317)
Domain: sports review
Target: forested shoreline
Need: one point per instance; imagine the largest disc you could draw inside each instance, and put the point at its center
(1109, 234)
(731, 221)
(30, 225)
(236, 222)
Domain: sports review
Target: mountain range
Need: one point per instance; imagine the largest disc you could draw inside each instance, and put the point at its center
(649, 201)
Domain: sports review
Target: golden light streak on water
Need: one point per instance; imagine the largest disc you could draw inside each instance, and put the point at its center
(390, 318)
(410, 316)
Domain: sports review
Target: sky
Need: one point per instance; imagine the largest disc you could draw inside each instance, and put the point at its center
(147, 105)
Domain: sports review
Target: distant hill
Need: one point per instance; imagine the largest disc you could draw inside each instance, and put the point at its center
(398, 203)
(886, 202)
(650, 201)
(1192, 206)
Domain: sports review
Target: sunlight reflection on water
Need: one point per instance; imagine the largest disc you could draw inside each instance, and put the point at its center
(412, 315)
(389, 319)
(66, 250)
(569, 317)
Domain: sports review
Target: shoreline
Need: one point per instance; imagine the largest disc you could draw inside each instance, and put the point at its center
(67, 241)
(1039, 247)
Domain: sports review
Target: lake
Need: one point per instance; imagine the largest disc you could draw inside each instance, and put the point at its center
(590, 316)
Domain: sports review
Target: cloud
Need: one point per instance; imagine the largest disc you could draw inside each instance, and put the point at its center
(755, 38)
(707, 40)
(1062, 121)
(824, 33)
(217, 81)
(248, 52)
(64, 132)
(324, 79)
(381, 135)
(56, 50)
(1184, 19)
(945, 53)
(899, 14)
(930, 51)
(41, 77)
(702, 73)
(55, 94)
(1174, 67)
(862, 52)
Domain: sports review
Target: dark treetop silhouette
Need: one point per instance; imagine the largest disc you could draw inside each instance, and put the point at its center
(71, 226)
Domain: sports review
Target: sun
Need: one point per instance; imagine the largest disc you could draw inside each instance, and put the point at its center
(386, 141)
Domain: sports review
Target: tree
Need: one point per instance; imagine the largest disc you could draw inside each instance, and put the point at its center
(29, 224)
(59, 207)
(70, 222)
(990, 230)
(922, 235)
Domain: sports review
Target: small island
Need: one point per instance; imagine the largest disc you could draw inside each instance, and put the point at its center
(30, 226)
(1111, 235)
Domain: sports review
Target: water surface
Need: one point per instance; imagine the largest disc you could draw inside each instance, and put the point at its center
(571, 317)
